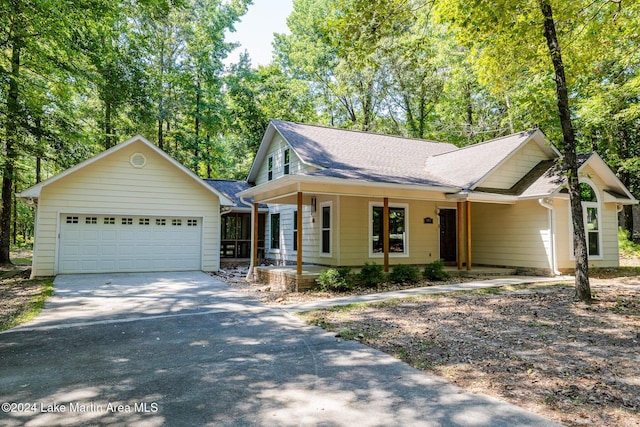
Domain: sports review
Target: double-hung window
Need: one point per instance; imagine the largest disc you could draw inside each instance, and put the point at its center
(270, 168)
(275, 231)
(287, 161)
(398, 230)
(326, 224)
(591, 218)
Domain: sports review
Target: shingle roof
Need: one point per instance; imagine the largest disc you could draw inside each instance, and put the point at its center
(230, 188)
(361, 155)
(466, 166)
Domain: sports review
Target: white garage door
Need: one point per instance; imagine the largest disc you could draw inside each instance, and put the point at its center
(111, 243)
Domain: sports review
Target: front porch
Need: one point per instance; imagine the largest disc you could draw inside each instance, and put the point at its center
(285, 278)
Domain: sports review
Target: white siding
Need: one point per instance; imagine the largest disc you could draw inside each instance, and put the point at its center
(509, 173)
(276, 150)
(112, 186)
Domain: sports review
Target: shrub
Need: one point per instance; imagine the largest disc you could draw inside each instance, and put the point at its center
(404, 274)
(435, 271)
(627, 246)
(336, 280)
(371, 275)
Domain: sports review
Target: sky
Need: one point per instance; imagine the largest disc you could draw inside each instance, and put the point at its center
(256, 28)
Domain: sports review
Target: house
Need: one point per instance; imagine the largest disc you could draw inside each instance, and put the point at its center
(343, 198)
(130, 208)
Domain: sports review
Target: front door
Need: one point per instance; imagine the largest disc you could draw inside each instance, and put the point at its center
(448, 240)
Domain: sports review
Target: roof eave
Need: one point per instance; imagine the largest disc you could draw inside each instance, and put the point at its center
(289, 179)
(539, 137)
(34, 191)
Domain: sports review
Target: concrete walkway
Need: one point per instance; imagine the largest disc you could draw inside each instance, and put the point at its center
(183, 349)
(438, 289)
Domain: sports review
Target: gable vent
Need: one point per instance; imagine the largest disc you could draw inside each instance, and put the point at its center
(138, 160)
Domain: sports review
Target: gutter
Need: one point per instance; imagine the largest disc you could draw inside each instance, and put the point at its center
(548, 204)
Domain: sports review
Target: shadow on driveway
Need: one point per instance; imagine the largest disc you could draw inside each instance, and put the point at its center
(204, 355)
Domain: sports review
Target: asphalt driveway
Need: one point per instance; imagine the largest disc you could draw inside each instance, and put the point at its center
(182, 349)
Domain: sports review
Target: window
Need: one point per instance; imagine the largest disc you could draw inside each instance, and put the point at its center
(72, 220)
(90, 220)
(295, 230)
(270, 168)
(325, 221)
(192, 223)
(397, 230)
(109, 220)
(176, 222)
(287, 161)
(591, 216)
(161, 221)
(127, 221)
(275, 231)
(143, 221)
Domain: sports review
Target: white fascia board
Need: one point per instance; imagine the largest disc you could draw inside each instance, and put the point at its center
(605, 172)
(539, 138)
(34, 192)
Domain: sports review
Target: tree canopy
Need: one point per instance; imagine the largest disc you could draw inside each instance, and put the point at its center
(78, 77)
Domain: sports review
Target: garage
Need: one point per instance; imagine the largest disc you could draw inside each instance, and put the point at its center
(130, 208)
(111, 243)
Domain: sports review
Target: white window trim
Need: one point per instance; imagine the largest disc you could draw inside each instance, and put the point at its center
(330, 253)
(279, 249)
(271, 159)
(286, 164)
(597, 205)
(405, 254)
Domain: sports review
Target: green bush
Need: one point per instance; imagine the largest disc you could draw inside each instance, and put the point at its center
(627, 246)
(435, 271)
(338, 280)
(404, 274)
(371, 275)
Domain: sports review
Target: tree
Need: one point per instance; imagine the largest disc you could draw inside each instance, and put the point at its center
(513, 41)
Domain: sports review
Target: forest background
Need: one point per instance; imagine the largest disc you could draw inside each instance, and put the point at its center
(77, 77)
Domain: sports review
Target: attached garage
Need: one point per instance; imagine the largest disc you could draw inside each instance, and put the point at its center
(131, 208)
(105, 243)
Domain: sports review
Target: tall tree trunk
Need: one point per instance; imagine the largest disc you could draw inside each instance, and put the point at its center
(108, 137)
(196, 151)
(625, 177)
(13, 119)
(14, 229)
(583, 290)
(208, 156)
(160, 135)
(39, 150)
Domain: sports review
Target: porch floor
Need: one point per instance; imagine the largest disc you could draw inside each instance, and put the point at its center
(285, 277)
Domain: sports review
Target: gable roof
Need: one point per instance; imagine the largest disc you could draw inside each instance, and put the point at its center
(34, 191)
(354, 154)
(468, 166)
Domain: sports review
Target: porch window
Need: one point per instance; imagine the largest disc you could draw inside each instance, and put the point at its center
(270, 168)
(275, 231)
(591, 218)
(295, 230)
(397, 230)
(325, 211)
(287, 161)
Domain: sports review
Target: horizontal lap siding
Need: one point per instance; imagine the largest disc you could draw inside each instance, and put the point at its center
(609, 228)
(506, 175)
(510, 235)
(112, 186)
(423, 239)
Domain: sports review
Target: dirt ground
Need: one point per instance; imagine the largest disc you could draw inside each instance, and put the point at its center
(534, 346)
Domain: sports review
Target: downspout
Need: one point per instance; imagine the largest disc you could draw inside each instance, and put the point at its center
(253, 244)
(548, 204)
